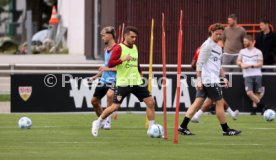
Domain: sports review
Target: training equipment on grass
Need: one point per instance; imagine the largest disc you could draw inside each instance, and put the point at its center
(164, 77)
(25, 122)
(269, 115)
(119, 40)
(150, 64)
(179, 57)
(155, 131)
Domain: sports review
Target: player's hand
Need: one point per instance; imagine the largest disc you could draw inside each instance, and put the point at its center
(226, 82)
(127, 58)
(245, 66)
(199, 84)
(101, 69)
(93, 78)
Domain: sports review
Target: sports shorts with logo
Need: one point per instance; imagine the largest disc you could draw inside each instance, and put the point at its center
(212, 91)
(140, 91)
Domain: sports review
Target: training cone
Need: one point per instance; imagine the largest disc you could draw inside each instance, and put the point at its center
(54, 19)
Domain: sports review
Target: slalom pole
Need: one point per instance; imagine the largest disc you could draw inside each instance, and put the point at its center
(150, 65)
(119, 34)
(120, 40)
(164, 78)
(122, 36)
(179, 51)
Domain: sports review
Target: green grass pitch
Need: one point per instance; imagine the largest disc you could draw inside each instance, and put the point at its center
(68, 136)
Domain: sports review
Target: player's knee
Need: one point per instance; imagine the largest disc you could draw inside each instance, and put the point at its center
(109, 95)
(151, 103)
(114, 107)
(249, 93)
(94, 102)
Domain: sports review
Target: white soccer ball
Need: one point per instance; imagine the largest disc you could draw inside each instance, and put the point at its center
(25, 122)
(155, 131)
(269, 115)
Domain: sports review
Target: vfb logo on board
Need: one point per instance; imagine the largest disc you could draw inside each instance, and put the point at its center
(25, 92)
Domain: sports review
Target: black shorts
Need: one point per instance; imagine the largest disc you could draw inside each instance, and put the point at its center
(141, 92)
(212, 91)
(102, 89)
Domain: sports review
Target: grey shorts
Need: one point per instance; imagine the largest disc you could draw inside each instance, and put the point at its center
(229, 59)
(253, 83)
(212, 91)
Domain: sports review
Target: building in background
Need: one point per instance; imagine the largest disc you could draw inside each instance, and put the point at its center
(85, 18)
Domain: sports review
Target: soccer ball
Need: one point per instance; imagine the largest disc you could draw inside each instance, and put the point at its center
(155, 131)
(25, 122)
(269, 115)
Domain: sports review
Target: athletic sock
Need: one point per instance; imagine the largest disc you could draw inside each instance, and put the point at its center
(261, 105)
(230, 111)
(185, 122)
(100, 120)
(151, 123)
(198, 114)
(108, 119)
(224, 127)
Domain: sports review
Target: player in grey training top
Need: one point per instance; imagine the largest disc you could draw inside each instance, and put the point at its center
(208, 102)
(209, 72)
(250, 59)
(209, 62)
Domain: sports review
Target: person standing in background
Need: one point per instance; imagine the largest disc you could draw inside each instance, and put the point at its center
(250, 60)
(233, 42)
(266, 42)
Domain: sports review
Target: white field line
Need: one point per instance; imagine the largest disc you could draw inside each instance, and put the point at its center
(118, 112)
(222, 144)
(262, 128)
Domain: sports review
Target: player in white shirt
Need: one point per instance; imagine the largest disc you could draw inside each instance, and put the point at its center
(208, 102)
(250, 59)
(209, 71)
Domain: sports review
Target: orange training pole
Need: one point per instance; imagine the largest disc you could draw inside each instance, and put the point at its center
(122, 36)
(115, 116)
(164, 78)
(119, 34)
(179, 51)
(120, 40)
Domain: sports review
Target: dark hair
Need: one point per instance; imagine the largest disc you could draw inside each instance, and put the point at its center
(233, 16)
(265, 21)
(249, 37)
(214, 27)
(129, 29)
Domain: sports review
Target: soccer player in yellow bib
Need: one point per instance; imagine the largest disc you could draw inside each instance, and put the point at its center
(128, 78)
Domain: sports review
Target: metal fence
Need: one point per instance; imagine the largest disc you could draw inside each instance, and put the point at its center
(8, 69)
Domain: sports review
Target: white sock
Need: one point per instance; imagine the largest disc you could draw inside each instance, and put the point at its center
(230, 112)
(100, 120)
(108, 119)
(151, 123)
(198, 114)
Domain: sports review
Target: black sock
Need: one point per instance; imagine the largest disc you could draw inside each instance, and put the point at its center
(254, 109)
(261, 105)
(224, 127)
(185, 122)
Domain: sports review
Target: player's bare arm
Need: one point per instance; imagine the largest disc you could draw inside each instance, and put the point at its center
(103, 68)
(258, 65)
(199, 81)
(225, 80)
